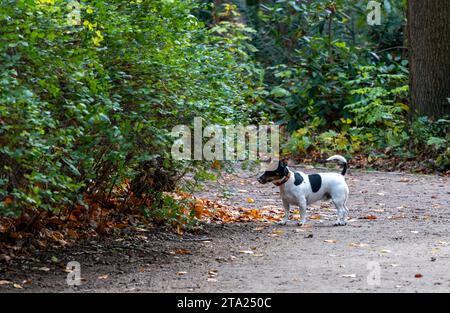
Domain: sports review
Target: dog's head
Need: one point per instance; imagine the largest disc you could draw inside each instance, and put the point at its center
(276, 171)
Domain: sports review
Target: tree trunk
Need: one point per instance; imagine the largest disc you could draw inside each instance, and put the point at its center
(429, 56)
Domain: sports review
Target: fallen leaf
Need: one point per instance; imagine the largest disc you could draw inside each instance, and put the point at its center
(250, 200)
(5, 282)
(199, 209)
(4, 257)
(246, 252)
(258, 228)
(349, 275)
(212, 273)
(359, 245)
(17, 286)
(369, 217)
(72, 234)
(181, 273)
(103, 277)
(385, 251)
(183, 251)
(330, 241)
(418, 276)
(44, 269)
(8, 201)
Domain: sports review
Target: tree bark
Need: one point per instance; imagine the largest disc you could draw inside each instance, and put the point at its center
(429, 56)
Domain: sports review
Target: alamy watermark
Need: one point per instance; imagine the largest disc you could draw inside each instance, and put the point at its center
(374, 276)
(74, 273)
(74, 15)
(231, 142)
(374, 15)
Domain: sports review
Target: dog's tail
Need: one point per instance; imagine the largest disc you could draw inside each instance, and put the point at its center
(340, 159)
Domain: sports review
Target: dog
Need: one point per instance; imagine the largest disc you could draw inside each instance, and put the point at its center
(300, 189)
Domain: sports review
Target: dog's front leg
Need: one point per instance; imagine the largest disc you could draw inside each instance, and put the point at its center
(286, 212)
(302, 207)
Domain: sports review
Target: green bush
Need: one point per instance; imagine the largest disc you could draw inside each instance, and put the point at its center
(85, 107)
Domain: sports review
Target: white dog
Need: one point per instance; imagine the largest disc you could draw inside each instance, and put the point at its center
(300, 189)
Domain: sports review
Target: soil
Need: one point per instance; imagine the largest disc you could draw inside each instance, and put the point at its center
(399, 228)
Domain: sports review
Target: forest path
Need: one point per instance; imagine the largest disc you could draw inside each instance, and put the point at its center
(400, 228)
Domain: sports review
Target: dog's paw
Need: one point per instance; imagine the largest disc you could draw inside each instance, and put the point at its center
(340, 223)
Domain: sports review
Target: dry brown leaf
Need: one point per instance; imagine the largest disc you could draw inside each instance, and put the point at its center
(369, 217)
(183, 251)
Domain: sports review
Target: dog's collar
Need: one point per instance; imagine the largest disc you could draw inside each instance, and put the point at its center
(284, 180)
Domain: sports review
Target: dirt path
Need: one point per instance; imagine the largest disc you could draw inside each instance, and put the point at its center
(408, 244)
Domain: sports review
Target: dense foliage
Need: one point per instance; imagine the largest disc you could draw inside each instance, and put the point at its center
(88, 104)
(90, 90)
(341, 85)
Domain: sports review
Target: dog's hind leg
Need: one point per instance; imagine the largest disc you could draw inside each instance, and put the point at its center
(345, 211)
(286, 213)
(341, 211)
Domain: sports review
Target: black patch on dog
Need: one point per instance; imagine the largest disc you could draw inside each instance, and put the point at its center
(316, 181)
(298, 179)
